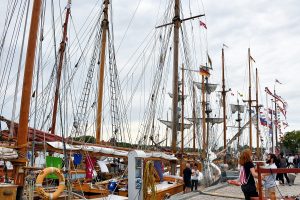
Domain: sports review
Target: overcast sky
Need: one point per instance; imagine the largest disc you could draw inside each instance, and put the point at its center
(270, 28)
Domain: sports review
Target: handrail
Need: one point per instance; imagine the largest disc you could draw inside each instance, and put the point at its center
(261, 170)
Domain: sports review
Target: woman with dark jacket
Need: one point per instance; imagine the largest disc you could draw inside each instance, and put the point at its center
(248, 184)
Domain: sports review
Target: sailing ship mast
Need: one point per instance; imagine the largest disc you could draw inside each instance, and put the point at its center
(194, 117)
(176, 21)
(101, 79)
(26, 95)
(239, 109)
(203, 119)
(250, 101)
(59, 68)
(257, 110)
(276, 118)
(224, 102)
(182, 111)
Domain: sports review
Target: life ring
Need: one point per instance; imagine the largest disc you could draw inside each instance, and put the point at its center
(39, 183)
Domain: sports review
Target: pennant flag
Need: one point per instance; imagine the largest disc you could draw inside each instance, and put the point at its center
(252, 58)
(282, 110)
(204, 72)
(203, 24)
(224, 45)
(270, 125)
(263, 122)
(209, 60)
(270, 111)
(284, 103)
(277, 81)
(285, 124)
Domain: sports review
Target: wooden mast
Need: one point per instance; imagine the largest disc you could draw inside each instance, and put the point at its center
(239, 123)
(224, 102)
(26, 95)
(250, 100)
(62, 49)
(101, 79)
(194, 117)
(275, 118)
(203, 120)
(176, 21)
(182, 111)
(257, 110)
(167, 130)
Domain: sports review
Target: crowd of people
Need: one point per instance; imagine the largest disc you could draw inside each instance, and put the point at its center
(248, 173)
(191, 175)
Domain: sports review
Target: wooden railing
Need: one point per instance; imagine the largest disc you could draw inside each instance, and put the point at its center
(261, 170)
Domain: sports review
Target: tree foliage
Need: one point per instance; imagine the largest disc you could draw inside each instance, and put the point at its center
(86, 139)
(291, 141)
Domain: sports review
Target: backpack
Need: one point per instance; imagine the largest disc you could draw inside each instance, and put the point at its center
(242, 176)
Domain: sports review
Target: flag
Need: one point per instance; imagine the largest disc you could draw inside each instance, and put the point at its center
(209, 60)
(268, 91)
(270, 125)
(241, 95)
(284, 103)
(203, 24)
(263, 121)
(277, 81)
(204, 72)
(252, 58)
(282, 110)
(224, 45)
(271, 111)
(285, 124)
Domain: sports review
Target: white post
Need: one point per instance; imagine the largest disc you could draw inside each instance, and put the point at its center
(135, 174)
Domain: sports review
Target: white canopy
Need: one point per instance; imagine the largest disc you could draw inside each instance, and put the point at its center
(108, 151)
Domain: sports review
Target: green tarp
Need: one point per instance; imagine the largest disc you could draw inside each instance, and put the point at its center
(53, 162)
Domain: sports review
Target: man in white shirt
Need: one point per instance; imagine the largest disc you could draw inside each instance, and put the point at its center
(195, 177)
(270, 178)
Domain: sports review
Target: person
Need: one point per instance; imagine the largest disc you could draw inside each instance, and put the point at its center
(187, 172)
(270, 178)
(195, 177)
(247, 174)
(283, 164)
(295, 161)
(290, 160)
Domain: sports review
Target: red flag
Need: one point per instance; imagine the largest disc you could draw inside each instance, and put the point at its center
(203, 24)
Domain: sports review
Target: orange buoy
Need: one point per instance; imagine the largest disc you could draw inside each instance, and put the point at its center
(39, 183)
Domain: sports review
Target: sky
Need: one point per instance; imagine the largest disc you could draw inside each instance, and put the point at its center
(269, 28)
